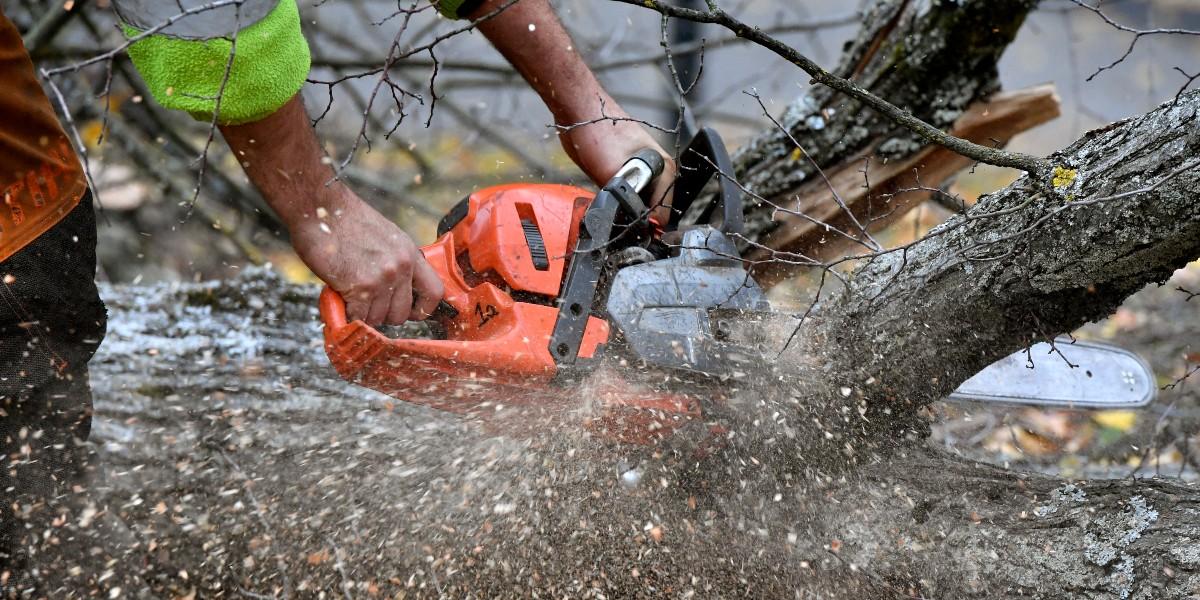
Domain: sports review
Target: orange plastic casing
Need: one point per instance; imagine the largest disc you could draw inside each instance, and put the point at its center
(496, 350)
(494, 339)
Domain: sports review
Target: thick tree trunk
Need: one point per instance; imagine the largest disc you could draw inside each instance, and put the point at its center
(934, 59)
(935, 526)
(1026, 263)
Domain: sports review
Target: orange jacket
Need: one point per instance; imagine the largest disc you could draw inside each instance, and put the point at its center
(41, 179)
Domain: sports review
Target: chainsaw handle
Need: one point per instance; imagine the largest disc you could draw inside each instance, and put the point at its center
(639, 170)
(651, 167)
(333, 310)
(704, 158)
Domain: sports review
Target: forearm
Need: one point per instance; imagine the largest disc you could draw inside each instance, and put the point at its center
(284, 160)
(547, 58)
(595, 132)
(361, 254)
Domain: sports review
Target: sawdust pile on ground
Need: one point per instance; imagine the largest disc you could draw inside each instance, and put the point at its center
(245, 467)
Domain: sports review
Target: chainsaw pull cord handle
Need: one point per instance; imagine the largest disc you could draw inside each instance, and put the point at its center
(704, 158)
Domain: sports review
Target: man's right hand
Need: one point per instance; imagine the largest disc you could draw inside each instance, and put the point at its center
(363, 256)
(370, 261)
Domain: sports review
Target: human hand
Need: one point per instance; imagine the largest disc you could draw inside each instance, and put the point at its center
(370, 261)
(601, 148)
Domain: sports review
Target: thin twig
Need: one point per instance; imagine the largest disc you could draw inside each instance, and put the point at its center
(993, 156)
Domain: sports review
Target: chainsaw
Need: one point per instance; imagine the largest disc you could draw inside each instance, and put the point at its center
(544, 281)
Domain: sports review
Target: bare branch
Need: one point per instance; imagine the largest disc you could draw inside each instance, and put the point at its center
(993, 156)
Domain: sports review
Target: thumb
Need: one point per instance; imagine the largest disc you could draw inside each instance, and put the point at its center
(358, 305)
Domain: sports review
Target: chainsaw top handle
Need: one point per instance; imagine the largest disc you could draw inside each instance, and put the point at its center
(642, 168)
(704, 158)
(638, 171)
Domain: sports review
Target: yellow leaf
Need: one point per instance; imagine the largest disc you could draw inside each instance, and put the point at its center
(1122, 420)
(797, 154)
(90, 132)
(293, 270)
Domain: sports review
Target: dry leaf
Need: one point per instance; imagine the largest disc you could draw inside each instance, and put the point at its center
(1121, 420)
(656, 533)
(1033, 443)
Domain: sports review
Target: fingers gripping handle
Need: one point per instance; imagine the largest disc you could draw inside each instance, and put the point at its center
(333, 310)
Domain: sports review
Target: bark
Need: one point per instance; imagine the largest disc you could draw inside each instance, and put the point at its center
(1027, 264)
(933, 59)
(936, 526)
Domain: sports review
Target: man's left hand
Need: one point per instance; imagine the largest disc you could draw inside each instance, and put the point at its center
(602, 147)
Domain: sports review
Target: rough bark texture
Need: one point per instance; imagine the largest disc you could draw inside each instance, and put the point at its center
(931, 58)
(922, 320)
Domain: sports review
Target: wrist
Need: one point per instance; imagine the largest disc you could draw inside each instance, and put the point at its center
(312, 208)
(594, 110)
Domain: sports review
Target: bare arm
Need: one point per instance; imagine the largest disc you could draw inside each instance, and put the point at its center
(362, 255)
(373, 264)
(532, 38)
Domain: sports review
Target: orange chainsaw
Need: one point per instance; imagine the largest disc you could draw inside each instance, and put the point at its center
(543, 281)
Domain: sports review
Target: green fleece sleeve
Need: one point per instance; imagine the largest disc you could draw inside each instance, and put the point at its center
(270, 65)
(457, 9)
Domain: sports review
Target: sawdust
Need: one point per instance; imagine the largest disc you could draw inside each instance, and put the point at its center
(249, 458)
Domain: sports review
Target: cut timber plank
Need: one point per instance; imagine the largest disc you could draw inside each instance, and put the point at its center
(892, 186)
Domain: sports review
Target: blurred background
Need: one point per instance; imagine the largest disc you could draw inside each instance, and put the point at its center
(486, 127)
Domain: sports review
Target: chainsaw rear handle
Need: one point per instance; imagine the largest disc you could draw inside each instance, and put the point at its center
(333, 310)
(704, 158)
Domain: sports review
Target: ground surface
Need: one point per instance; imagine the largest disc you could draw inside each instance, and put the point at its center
(247, 468)
(1161, 323)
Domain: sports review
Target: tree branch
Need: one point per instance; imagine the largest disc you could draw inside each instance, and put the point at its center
(992, 156)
